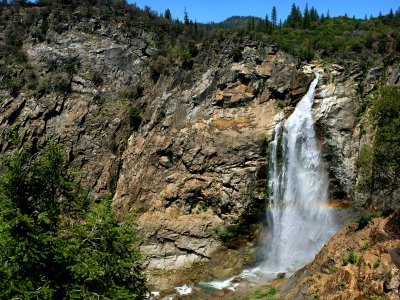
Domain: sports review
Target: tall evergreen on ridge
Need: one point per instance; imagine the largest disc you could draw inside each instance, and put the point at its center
(274, 16)
(306, 18)
(294, 19)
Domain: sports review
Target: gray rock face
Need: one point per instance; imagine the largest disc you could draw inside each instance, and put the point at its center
(202, 152)
(336, 109)
(343, 133)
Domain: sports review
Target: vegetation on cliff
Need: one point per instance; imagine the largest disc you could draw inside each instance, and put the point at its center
(54, 244)
(308, 34)
(379, 163)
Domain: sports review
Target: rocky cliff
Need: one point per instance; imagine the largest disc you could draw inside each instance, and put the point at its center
(358, 263)
(195, 168)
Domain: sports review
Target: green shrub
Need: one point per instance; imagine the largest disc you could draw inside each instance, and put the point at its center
(159, 65)
(54, 245)
(268, 293)
(99, 100)
(236, 54)
(351, 258)
(135, 118)
(97, 79)
(377, 263)
(375, 297)
(365, 246)
(192, 48)
(133, 92)
(226, 236)
(363, 220)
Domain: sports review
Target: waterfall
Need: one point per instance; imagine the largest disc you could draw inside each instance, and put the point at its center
(298, 219)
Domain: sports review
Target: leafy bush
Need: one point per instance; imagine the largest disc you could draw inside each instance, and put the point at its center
(377, 263)
(135, 118)
(55, 246)
(351, 258)
(227, 236)
(99, 100)
(236, 54)
(363, 220)
(97, 79)
(265, 293)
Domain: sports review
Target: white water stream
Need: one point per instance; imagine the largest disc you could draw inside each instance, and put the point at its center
(298, 217)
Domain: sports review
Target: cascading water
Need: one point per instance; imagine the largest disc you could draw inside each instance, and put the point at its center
(299, 223)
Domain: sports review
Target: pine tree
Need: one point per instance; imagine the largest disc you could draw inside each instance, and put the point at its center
(168, 14)
(53, 245)
(306, 18)
(314, 15)
(391, 15)
(268, 27)
(185, 17)
(294, 19)
(274, 16)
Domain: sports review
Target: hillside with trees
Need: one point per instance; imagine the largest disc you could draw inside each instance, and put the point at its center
(124, 129)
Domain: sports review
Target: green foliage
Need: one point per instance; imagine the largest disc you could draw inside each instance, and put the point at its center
(53, 245)
(262, 137)
(377, 263)
(339, 38)
(168, 15)
(379, 164)
(101, 253)
(97, 79)
(226, 236)
(269, 293)
(192, 49)
(135, 118)
(133, 92)
(364, 167)
(159, 65)
(236, 54)
(363, 220)
(232, 235)
(375, 297)
(365, 246)
(351, 258)
(99, 100)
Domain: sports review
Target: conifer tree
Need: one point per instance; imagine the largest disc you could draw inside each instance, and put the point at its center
(53, 244)
(185, 17)
(306, 18)
(168, 15)
(274, 17)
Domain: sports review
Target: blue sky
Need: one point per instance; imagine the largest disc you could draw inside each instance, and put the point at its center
(218, 10)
